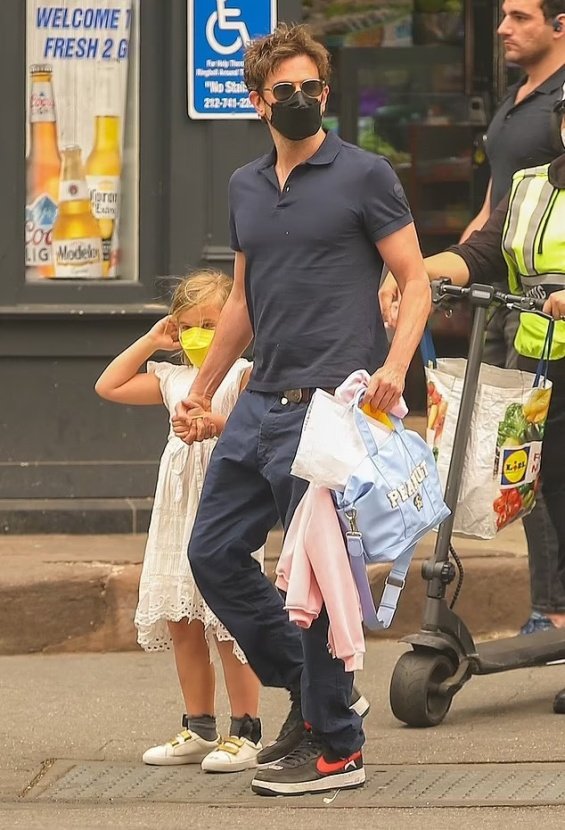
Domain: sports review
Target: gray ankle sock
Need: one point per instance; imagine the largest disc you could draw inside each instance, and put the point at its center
(246, 727)
(204, 726)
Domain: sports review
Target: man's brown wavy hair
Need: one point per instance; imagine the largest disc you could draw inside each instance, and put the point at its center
(263, 55)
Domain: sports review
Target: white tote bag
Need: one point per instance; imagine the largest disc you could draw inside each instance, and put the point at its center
(502, 461)
(330, 446)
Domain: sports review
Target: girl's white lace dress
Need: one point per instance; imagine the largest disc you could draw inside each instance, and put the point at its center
(167, 590)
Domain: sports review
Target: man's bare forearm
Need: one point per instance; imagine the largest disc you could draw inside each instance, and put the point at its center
(413, 314)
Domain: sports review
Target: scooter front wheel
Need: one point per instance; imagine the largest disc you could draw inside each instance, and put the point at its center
(415, 697)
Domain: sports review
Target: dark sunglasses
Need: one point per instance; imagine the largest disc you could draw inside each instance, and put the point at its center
(284, 90)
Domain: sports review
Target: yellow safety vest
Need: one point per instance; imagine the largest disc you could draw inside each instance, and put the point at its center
(533, 244)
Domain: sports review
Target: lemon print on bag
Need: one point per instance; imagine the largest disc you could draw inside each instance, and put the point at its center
(537, 406)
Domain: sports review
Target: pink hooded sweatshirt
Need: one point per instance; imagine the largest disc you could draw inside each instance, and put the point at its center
(313, 568)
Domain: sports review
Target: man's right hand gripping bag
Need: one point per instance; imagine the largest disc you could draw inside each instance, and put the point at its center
(391, 500)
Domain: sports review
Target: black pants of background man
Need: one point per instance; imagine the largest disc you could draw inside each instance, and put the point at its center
(553, 453)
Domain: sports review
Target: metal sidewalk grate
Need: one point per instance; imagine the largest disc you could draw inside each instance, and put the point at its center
(430, 785)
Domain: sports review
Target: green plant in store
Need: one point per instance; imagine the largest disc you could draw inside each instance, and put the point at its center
(374, 143)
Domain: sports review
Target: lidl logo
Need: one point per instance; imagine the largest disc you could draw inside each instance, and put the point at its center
(514, 466)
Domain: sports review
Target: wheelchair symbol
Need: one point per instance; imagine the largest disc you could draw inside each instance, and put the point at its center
(226, 21)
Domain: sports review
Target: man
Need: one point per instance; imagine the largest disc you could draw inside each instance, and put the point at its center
(523, 240)
(311, 225)
(520, 136)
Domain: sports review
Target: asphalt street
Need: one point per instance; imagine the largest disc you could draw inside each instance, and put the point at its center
(109, 707)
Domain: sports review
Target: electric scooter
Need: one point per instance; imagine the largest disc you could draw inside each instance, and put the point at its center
(444, 655)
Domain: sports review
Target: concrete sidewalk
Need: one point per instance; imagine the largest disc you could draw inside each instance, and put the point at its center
(62, 712)
(78, 593)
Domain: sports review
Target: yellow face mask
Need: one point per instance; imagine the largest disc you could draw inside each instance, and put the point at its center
(196, 344)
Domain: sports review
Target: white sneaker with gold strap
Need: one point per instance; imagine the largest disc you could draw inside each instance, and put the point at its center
(186, 748)
(232, 755)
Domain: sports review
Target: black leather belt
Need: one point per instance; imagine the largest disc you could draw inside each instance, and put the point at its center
(301, 395)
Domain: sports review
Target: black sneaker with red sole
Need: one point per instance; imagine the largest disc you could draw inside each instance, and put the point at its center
(309, 768)
(293, 730)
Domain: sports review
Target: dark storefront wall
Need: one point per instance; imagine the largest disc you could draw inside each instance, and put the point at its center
(69, 461)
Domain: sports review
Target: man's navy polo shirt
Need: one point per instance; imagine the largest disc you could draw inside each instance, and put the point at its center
(312, 268)
(520, 135)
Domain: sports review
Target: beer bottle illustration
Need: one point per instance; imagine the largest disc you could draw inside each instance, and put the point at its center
(43, 167)
(77, 239)
(103, 165)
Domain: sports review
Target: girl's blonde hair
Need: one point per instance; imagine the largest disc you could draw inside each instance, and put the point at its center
(200, 287)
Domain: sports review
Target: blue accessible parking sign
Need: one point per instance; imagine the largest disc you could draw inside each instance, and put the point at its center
(217, 33)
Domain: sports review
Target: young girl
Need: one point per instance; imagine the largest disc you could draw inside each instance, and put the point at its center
(170, 607)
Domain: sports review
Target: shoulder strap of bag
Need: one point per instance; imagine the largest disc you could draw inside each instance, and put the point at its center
(374, 619)
(363, 426)
(543, 365)
(427, 349)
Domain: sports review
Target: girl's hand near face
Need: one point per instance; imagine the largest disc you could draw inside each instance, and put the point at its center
(164, 335)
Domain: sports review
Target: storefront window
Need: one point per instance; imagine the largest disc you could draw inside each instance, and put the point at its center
(81, 217)
(393, 23)
(385, 32)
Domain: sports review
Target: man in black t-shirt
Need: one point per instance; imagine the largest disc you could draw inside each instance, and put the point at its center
(520, 136)
(311, 225)
(480, 259)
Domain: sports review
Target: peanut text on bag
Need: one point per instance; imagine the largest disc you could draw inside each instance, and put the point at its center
(409, 488)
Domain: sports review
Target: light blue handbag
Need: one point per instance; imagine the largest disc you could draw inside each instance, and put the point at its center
(391, 500)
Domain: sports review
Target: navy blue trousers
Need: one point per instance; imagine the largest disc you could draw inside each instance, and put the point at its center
(248, 487)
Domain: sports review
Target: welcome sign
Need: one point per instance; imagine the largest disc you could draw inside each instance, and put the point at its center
(77, 62)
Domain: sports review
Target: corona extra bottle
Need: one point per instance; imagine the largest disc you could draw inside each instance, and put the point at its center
(43, 168)
(103, 166)
(77, 239)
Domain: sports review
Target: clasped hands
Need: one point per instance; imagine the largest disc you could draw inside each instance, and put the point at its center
(193, 420)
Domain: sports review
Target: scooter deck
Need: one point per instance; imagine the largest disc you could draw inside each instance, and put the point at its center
(520, 652)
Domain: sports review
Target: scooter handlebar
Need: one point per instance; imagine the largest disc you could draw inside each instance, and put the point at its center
(524, 303)
(484, 295)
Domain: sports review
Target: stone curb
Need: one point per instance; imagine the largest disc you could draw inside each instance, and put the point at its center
(89, 605)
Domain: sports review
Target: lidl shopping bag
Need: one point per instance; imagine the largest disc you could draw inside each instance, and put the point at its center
(502, 461)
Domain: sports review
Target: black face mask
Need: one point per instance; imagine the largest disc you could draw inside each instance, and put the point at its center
(297, 118)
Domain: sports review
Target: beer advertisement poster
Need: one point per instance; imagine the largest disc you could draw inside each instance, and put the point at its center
(77, 68)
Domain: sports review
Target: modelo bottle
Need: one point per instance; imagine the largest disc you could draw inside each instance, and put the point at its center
(77, 239)
(103, 166)
(43, 168)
